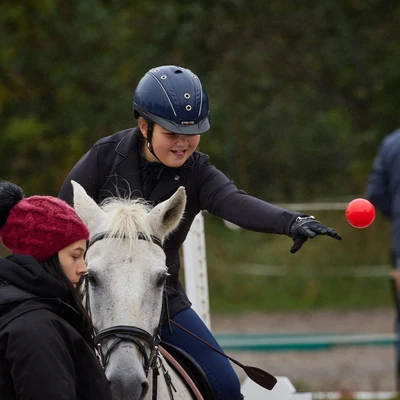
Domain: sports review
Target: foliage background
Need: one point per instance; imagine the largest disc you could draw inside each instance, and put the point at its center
(301, 93)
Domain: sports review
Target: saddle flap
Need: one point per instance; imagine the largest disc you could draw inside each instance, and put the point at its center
(190, 366)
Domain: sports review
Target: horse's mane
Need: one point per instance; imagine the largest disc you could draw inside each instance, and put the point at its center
(127, 218)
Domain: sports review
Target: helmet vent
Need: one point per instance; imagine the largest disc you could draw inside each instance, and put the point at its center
(188, 107)
(163, 76)
(186, 96)
(178, 71)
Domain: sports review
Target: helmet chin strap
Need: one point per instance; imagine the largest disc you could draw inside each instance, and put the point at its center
(150, 125)
(150, 148)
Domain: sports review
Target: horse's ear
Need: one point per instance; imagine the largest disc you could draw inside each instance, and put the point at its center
(86, 208)
(165, 217)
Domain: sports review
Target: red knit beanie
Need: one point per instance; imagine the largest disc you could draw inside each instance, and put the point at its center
(41, 226)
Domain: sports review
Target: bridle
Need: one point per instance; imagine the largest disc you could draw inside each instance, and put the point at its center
(129, 333)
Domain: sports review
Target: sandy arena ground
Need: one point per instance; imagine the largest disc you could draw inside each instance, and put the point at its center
(340, 368)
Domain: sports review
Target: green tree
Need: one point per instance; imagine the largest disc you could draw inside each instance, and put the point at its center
(301, 92)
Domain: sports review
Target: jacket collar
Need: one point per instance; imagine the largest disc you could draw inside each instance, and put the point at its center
(25, 273)
(129, 144)
(10, 294)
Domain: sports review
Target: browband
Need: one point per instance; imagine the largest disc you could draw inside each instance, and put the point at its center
(140, 236)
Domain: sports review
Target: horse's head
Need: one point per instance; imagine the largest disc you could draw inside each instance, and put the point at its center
(126, 279)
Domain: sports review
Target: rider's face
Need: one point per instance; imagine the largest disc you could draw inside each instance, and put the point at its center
(172, 149)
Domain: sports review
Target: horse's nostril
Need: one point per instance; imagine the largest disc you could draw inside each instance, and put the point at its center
(145, 388)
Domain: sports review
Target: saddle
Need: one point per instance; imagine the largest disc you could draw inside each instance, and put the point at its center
(197, 381)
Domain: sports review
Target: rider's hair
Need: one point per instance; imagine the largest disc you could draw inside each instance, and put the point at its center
(150, 128)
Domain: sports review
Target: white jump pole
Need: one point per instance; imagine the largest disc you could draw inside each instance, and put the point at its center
(195, 267)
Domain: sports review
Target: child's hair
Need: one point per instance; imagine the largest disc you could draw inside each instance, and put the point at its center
(53, 267)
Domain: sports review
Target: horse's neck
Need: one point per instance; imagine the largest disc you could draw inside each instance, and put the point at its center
(182, 392)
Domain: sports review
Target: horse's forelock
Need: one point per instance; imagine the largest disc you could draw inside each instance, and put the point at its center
(127, 218)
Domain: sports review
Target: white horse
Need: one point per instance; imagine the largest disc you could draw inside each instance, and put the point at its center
(125, 286)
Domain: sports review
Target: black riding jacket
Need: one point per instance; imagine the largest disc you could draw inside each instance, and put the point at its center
(112, 167)
(42, 354)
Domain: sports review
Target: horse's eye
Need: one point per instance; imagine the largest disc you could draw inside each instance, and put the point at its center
(162, 279)
(91, 277)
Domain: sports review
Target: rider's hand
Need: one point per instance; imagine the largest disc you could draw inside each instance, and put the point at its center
(307, 227)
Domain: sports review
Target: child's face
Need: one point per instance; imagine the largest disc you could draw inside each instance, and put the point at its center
(72, 261)
(172, 149)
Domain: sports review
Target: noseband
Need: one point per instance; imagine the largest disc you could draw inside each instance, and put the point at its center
(125, 332)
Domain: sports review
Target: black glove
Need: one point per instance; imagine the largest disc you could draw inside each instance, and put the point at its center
(306, 227)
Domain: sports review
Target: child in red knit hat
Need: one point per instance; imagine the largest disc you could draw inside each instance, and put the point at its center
(46, 348)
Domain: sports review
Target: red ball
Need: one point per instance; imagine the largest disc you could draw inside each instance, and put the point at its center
(360, 213)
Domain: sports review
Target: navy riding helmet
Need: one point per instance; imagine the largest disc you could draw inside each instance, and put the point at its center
(174, 98)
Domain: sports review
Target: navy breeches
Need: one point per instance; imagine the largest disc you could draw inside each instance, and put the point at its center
(222, 377)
